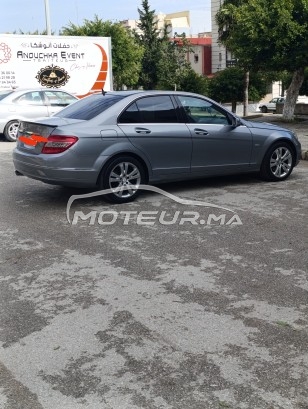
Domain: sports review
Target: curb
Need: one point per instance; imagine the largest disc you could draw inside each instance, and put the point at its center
(304, 155)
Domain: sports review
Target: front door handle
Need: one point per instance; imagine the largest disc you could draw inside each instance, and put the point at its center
(142, 130)
(200, 131)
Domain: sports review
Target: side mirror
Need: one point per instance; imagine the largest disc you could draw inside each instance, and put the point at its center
(236, 122)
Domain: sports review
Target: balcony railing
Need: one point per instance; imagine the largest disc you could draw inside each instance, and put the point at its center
(231, 63)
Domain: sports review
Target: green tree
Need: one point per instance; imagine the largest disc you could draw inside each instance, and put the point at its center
(149, 37)
(190, 81)
(173, 66)
(126, 52)
(303, 89)
(36, 32)
(165, 64)
(271, 38)
(226, 20)
(227, 86)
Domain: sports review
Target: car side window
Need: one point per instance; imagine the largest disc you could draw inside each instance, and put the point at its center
(30, 98)
(157, 109)
(59, 98)
(130, 115)
(205, 112)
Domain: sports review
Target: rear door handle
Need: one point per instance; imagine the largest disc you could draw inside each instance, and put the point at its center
(200, 131)
(142, 130)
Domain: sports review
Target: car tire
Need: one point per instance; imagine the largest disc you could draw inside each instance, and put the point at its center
(264, 110)
(123, 172)
(278, 162)
(10, 130)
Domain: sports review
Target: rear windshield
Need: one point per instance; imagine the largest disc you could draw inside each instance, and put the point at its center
(89, 107)
(5, 93)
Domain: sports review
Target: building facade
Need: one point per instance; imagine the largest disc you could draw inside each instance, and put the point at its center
(177, 22)
(221, 57)
(201, 56)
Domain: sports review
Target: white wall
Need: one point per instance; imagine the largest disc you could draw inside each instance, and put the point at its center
(218, 51)
(197, 66)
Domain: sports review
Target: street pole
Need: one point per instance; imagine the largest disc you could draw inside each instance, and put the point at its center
(47, 15)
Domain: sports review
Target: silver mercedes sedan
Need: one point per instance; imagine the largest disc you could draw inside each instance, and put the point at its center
(120, 140)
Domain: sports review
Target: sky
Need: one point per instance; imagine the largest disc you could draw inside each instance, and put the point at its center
(29, 15)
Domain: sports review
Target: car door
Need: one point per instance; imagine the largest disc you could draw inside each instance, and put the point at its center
(271, 106)
(218, 146)
(29, 105)
(152, 125)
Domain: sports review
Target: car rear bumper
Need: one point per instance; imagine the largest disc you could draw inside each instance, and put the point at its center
(25, 166)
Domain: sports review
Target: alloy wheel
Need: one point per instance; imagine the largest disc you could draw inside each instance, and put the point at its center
(281, 162)
(126, 177)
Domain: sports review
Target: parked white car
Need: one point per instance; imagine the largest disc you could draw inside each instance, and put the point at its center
(21, 104)
(271, 105)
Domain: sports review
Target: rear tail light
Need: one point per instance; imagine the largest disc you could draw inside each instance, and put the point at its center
(58, 143)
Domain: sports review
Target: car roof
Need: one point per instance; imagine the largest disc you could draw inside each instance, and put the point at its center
(131, 93)
(127, 93)
(34, 89)
(148, 92)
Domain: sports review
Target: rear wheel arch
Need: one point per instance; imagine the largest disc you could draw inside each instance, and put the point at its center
(125, 172)
(10, 130)
(263, 109)
(124, 154)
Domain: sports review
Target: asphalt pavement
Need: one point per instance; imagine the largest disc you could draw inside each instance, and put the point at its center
(175, 312)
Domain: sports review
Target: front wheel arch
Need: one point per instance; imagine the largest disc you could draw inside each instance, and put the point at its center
(278, 161)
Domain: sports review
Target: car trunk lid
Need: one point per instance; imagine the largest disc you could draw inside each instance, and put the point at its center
(37, 137)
